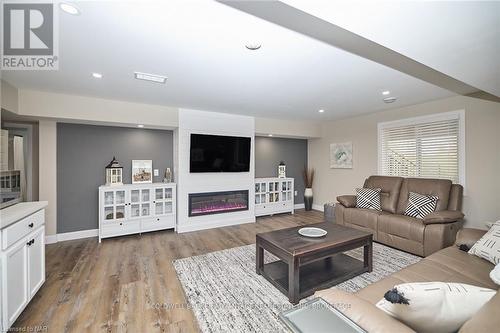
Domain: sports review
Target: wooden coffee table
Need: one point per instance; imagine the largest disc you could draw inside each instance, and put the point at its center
(309, 264)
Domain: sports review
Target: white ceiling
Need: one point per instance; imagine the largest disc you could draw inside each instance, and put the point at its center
(458, 38)
(199, 46)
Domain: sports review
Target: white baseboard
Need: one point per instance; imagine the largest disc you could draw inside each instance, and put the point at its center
(318, 207)
(298, 206)
(51, 239)
(209, 225)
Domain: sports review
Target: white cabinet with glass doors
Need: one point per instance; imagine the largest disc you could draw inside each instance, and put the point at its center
(273, 196)
(136, 208)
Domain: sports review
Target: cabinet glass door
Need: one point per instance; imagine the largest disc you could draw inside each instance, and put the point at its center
(260, 192)
(145, 202)
(274, 191)
(134, 196)
(163, 201)
(114, 205)
(135, 210)
(168, 208)
(286, 190)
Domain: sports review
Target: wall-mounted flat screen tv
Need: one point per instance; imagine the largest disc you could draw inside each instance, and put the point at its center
(217, 153)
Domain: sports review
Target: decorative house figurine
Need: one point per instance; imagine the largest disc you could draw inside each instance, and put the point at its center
(114, 173)
(282, 170)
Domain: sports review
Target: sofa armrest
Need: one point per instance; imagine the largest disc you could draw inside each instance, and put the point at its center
(362, 312)
(468, 236)
(444, 216)
(348, 201)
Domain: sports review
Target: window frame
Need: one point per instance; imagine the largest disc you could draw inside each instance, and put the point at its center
(457, 114)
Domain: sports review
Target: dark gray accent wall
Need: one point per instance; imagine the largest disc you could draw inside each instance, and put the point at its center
(83, 151)
(270, 151)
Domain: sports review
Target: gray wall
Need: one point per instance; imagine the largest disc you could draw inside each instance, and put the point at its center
(82, 153)
(270, 151)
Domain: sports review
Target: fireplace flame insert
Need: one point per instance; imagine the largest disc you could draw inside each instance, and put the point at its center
(217, 202)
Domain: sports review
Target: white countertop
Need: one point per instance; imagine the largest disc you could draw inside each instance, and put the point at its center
(19, 211)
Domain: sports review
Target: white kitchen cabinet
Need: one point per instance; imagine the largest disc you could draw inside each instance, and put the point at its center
(22, 259)
(36, 261)
(273, 196)
(15, 285)
(136, 208)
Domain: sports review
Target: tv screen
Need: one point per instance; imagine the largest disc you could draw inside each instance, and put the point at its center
(216, 153)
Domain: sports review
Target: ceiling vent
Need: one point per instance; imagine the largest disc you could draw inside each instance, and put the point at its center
(390, 100)
(150, 77)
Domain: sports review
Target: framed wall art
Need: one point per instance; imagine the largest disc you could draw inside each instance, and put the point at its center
(341, 155)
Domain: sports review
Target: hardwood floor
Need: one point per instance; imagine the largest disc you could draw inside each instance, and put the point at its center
(129, 284)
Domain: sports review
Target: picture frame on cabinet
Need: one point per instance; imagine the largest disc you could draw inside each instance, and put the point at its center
(142, 171)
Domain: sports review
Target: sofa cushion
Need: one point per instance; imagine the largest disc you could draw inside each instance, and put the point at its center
(368, 198)
(403, 226)
(467, 269)
(437, 187)
(390, 189)
(366, 218)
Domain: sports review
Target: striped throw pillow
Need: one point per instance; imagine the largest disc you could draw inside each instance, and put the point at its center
(488, 246)
(420, 205)
(368, 198)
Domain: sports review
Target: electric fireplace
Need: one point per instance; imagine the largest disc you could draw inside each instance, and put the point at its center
(217, 202)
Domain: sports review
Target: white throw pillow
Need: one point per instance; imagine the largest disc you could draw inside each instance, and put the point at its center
(436, 307)
(488, 246)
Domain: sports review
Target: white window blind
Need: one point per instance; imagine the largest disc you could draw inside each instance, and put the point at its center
(426, 147)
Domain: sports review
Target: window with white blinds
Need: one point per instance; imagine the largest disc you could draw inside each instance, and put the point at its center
(426, 147)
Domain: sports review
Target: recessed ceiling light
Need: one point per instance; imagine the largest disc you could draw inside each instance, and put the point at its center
(97, 75)
(253, 46)
(321, 111)
(69, 8)
(269, 135)
(140, 126)
(386, 92)
(390, 99)
(150, 77)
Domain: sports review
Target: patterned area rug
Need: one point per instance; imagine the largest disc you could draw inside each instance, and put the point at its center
(226, 294)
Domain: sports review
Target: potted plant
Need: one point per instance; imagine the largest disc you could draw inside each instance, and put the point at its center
(308, 175)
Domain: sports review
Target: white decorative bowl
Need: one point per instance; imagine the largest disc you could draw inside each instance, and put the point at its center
(312, 232)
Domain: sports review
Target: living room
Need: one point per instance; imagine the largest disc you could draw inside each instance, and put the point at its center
(311, 167)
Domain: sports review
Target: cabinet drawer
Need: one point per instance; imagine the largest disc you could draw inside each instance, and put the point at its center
(264, 209)
(18, 230)
(158, 223)
(285, 205)
(111, 229)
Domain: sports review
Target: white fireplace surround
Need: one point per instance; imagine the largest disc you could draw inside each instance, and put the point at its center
(202, 122)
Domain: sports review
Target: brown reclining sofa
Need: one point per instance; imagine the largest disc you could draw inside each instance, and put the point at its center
(389, 226)
(447, 265)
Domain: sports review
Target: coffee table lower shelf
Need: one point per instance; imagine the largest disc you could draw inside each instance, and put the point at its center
(315, 276)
